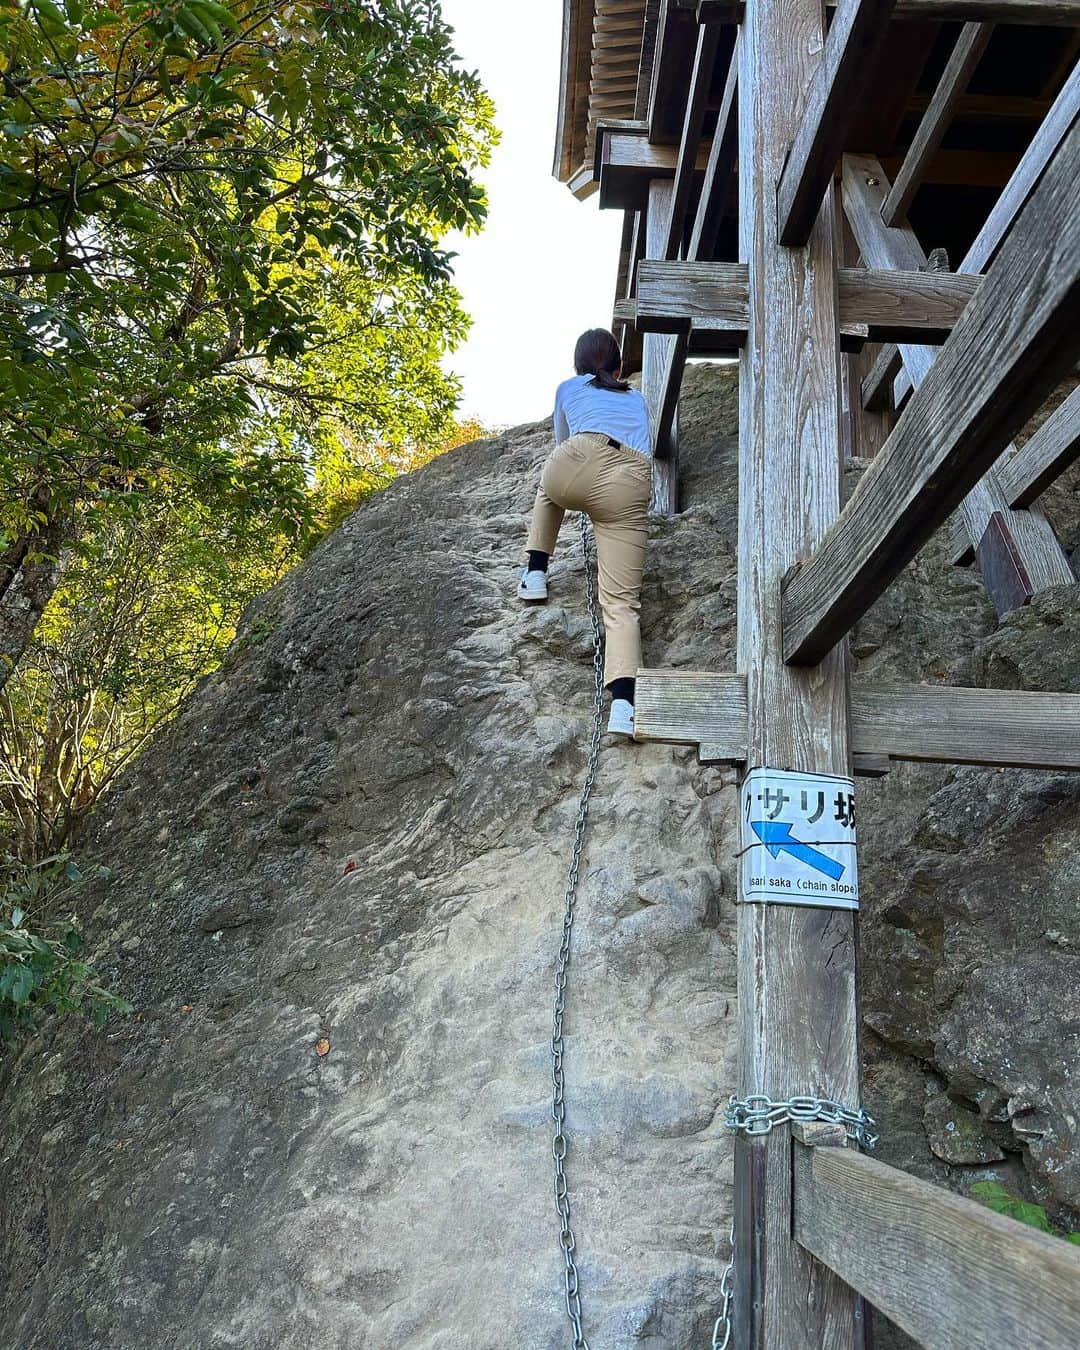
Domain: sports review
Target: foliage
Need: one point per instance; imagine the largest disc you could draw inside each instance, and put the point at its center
(147, 607)
(224, 307)
(219, 244)
(349, 474)
(43, 970)
(1001, 1200)
(140, 616)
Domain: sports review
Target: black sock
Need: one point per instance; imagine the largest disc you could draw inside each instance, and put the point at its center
(623, 688)
(537, 561)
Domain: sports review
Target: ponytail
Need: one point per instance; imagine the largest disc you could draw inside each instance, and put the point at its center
(596, 353)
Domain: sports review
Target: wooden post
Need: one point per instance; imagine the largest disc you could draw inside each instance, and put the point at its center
(796, 965)
(654, 361)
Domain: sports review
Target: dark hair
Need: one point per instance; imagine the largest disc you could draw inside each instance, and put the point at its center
(596, 353)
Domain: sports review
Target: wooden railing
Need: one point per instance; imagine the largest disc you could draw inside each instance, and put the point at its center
(949, 1272)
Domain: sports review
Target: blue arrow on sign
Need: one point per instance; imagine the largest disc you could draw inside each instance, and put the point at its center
(776, 836)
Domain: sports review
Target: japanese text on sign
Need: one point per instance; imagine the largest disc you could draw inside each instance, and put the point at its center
(797, 835)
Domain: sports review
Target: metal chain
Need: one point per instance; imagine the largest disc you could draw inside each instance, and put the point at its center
(757, 1114)
(558, 1083)
(721, 1332)
(753, 1115)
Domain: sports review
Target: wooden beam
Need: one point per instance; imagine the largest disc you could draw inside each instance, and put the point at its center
(896, 305)
(963, 168)
(627, 163)
(991, 108)
(656, 350)
(690, 143)
(1019, 187)
(790, 959)
(965, 56)
(942, 724)
(711, 203)
(1065, 109)
(1026, 176)
(631, 247)
(992, 1281)
(1045, 455)
(923, 723)
(1054, 13)
(881, 305)
(877, 384)
(720, 168)
(673, 296)
(718, 11)
(676, 37)
(1027, 545)
(1028, 471)
(847, 67)
(1015, 341)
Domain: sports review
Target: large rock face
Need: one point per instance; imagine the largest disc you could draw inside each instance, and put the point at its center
(356, 837)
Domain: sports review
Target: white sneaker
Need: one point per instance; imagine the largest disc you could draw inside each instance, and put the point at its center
(532, 586)
(622, 717)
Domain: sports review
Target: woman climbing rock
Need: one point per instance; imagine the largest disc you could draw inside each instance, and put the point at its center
(602, 465)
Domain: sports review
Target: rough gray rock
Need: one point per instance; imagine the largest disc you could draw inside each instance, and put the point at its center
(956, 1135)
(356, 834)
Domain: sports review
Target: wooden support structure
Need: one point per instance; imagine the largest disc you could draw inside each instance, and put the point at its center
(1019, 188)
(1022, 554)
(1045, 455)
(877, 384)
(923, 723)
(789, 382)
(711, 203)
(847, 67)
(1021, 333)
(1061, 13)
(655, 358)
(875, 306)
(627, 163)
(1026, 473)
(946, 1270)
(690, 142)
(966, 55)
(676, 36)
(808, 571)
(717, 185)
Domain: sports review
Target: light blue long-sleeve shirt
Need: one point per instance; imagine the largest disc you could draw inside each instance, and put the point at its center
(581, 406)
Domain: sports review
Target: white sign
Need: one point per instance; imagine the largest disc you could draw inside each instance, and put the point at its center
(797, 834)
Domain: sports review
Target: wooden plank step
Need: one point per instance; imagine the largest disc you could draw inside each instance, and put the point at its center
(940, 724)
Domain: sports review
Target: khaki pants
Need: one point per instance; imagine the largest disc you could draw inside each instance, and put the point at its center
(612, 487)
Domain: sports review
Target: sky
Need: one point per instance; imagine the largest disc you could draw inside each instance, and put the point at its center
(543, 269)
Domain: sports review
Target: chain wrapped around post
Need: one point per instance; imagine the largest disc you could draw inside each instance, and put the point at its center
(757, 1114)
(558, 1084)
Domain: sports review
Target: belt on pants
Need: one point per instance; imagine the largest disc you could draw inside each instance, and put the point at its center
(610, 439)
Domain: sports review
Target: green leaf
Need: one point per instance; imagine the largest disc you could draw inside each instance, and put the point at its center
(48, 10)
(21, 986)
